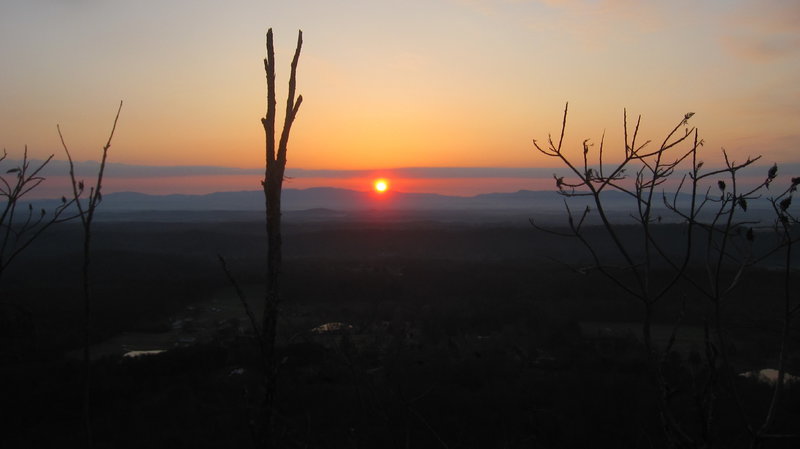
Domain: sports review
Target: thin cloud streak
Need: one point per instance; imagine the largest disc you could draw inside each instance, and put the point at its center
(117, 170)
(128, 171)
(429, 172)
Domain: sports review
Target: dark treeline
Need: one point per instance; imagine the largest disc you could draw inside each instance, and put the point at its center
(449, 335)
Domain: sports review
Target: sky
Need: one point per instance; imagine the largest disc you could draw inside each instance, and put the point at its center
(463, 85)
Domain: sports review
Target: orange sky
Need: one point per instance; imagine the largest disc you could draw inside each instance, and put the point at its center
(434, 83)
(448, 186)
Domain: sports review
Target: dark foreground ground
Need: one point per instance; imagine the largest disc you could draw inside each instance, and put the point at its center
(393, 334)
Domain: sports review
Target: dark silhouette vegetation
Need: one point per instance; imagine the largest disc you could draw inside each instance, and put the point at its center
(464, 331)
(86, 208)
(273, 184)
(20, 225)
(262, 422)
(715, 214)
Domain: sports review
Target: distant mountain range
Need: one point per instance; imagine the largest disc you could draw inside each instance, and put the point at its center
(325, 202)
(333, 199)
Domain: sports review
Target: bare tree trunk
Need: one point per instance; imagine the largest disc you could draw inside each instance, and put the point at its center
(272, 184)
(272, 192)
(87, 326)
(86, 215)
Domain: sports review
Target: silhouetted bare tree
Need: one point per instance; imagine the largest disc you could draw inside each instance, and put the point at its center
(17, 233)
(785, 220)
(20, 226)
(272, 184)
(86, 213)
(723, 237)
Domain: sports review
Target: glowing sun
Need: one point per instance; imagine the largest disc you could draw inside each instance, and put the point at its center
(381, 185)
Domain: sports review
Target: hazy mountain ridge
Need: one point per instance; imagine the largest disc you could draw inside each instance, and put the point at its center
(322, 198)
(323, 203)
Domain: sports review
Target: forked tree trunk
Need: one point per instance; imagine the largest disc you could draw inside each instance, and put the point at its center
(273, 183)
(86, 214)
